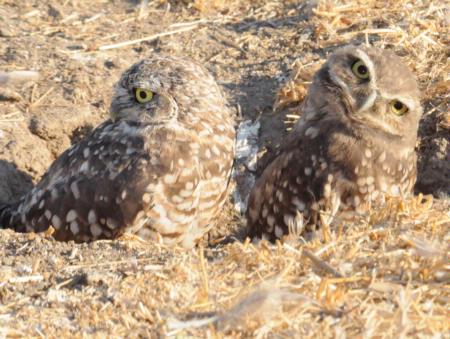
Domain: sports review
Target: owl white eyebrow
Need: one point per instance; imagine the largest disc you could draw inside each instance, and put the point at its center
(338, 81)
(144, 85)
(369, 101)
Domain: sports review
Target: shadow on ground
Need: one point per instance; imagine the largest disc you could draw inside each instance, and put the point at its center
(13, 182)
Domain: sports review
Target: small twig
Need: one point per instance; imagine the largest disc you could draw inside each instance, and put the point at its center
(143, 9)
(176, 325)
(9, 115)
(38, 101)
(348, 280)
(321, 264)
(31, 14)
(149, 38)
(14, 303)
(424, 36)
(70, 17)
(25, 279)
(12, 120)
(189, 23)
(118, 262)
(373, 31)
(65, 283)
(94, 17)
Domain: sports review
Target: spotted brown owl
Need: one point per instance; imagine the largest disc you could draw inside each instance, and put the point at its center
(160, 165)
(353, 144)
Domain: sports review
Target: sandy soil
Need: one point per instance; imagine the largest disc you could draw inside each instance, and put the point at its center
(251, 47)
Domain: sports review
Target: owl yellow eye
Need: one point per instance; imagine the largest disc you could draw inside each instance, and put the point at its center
(398, 107)
(143, 95)
(360, 70)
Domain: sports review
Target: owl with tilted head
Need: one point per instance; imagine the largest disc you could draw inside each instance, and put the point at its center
(158, 168)
(353, 144)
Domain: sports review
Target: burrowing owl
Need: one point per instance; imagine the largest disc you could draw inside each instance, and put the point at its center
(353, 143)
(161, 165)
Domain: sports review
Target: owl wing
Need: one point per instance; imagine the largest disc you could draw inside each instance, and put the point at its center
(99, 187)
(294, 191)
(279, 198)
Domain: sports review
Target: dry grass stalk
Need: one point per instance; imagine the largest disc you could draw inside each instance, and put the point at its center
(148, 38)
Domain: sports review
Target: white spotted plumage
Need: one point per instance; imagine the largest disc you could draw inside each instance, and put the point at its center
(347, 149)
(145, 170)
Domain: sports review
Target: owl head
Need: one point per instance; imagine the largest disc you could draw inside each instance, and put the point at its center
(370, 88)
(160, 89)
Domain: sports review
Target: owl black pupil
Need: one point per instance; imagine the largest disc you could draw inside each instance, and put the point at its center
(362, 69)
(398, 105)
(143, 95)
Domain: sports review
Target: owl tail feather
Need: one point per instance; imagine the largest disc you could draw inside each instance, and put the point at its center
(6, 216)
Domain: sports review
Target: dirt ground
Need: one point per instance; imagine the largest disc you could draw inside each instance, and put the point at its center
(263, 53)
